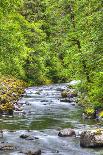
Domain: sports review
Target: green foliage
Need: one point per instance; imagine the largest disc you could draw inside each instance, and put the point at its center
(45, 41)
(9, 6)
(96, 90)
(12, 47)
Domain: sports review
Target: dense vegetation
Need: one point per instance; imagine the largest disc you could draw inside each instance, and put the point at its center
(45, 41)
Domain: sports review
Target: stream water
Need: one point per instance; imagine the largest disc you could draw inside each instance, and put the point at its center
(45, 116)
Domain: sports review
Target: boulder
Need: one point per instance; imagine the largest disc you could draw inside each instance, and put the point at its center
(7, 146)
(28, 137)
(69, 94)
(92, 138)
(68, 132)
(38, 152)
(31, 152)
(23, 136)
(64, 94)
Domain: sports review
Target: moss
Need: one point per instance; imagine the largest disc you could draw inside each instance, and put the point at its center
(89, 111)
(10, 91)
(68, 93)
(64, 94)
(101, 114)
(98, 132)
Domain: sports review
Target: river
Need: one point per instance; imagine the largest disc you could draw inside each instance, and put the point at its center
(45, 116)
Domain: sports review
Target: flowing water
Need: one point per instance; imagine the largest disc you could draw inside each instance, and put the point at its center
(45, 116)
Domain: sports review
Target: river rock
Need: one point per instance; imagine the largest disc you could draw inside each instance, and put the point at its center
(44, 100)
(38, 152)
(7, 146)
(68, 132)
(32, 152)
(64, 94)
(60, 89)
(23, 136)
(69, 94)
(65, 100)
(27, 137)
(93, 138)
(38, 92)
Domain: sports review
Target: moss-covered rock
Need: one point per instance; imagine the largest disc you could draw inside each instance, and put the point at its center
(10, 91)
(89, 111)
(69, 93)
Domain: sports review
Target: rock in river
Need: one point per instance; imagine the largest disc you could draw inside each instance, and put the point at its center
(28, 137)
(69, 94)
(33, 152)
(7, 146)
(92, 138)
(24, 136)
(68, 132)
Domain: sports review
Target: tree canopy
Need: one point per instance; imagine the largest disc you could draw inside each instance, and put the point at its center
(45, 41)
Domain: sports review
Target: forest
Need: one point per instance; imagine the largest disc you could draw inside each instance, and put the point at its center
(51, 77)
(50, 41)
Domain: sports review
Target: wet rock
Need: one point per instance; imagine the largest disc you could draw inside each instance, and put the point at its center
(56, 151)
(73, 104)
(65, 100)
(31, 152)
(60, 89)
(23, 136)
(28, 137)
(11, 130)
(7, 146)
(93, 138)
(38, 152)
(64, 94)
(68, 132)
(36, 137)
(38, 92)
(69, 94)
(10, 112)
(44, 100)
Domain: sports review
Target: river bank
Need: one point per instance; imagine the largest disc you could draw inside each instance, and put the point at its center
(10, 91)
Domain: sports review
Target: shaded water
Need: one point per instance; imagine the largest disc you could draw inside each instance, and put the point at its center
(45, 116)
